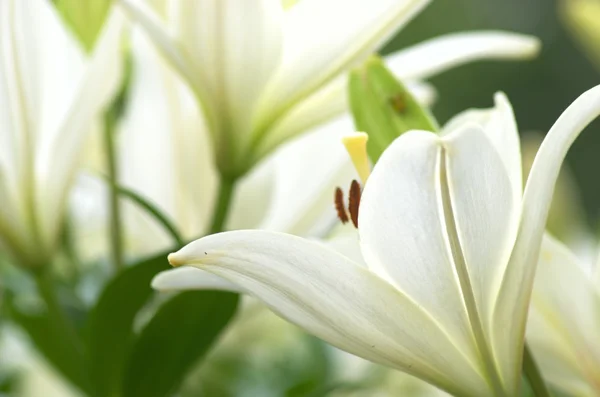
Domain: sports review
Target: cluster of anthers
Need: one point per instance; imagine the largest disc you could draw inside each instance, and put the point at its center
(356, 145)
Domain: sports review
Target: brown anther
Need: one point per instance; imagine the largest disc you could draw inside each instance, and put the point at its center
(354, 202)
(339, 205)
(398, 103)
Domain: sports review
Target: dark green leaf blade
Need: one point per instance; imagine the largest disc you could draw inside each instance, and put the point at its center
(54, 343)
(111, 322)
(180, 333)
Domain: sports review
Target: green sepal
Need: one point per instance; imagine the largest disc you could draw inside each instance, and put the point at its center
(85, 18)
(383, 107)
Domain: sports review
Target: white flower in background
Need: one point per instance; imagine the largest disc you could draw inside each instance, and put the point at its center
(451, 245)
(264, 72)
(166, 158)
(564, 323)
(49, 95)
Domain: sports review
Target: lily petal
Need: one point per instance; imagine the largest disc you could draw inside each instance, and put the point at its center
(501, 127)
(163, 39)
(163, 114)
(314, 53)
(485, 210)
(513, 301)
(402, 233)
(439, 54)
(566, 301)
(61, 148)
(303, 192)
(337, 300)
(191, 278)
(248, 36)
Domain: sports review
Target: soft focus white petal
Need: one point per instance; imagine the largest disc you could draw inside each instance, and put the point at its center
(337, 300)
(323, 38)
(303, 196)
(235, 46)
(253, 197)
(426, 59)
(559, 363)
(323, 106)
(161, 37)
(402, 232)
(500, 126)
(61, 149)
(191, 278)
(485, 211)
(165, 153)
(513, 301)
(567, 301)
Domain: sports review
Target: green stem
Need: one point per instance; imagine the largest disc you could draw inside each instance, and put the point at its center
(533, 375)
(115, 231)
(222, 204)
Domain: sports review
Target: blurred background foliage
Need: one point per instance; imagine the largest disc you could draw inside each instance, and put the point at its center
(539, 90)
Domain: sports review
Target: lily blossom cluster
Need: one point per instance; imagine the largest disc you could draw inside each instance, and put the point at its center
(451, 245)
(264, 72)
(50, 94)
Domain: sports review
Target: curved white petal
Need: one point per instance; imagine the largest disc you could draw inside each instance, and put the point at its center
(402, 231)
(337, 300)
(323, 38)
(485, 210)
(191, 278)
(431, 57)
(566, 301)
(501, 127)
(165, 153)
(235, 46)
(61, 147)
(513, 301)
(303, 196)
(162, 38)
(439, 217)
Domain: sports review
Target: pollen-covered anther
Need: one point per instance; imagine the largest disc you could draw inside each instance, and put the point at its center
(339, 205)
(354, 201)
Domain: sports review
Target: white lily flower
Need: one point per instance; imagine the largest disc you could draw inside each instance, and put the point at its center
(264, 73)
(49, 95)
(564, 320)
(451, 246)
(166, 158)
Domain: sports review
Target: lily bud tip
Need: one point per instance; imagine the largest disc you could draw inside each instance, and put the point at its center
(174, 260)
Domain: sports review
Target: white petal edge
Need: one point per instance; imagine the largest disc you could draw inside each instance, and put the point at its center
(161, 37)
(501, 127)
(442, 53)
(316, 51)
(337, 300)
(566, 299)
(191, 278)
(513, 301)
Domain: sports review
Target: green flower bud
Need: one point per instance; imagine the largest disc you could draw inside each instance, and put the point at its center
(383, 107)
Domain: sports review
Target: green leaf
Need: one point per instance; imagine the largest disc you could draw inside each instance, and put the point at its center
(54, 342)
(110, 326)
(85, 18)
(178, 335)
(383, 107)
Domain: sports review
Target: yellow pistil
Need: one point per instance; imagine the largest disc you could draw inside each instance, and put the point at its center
(356, 145)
